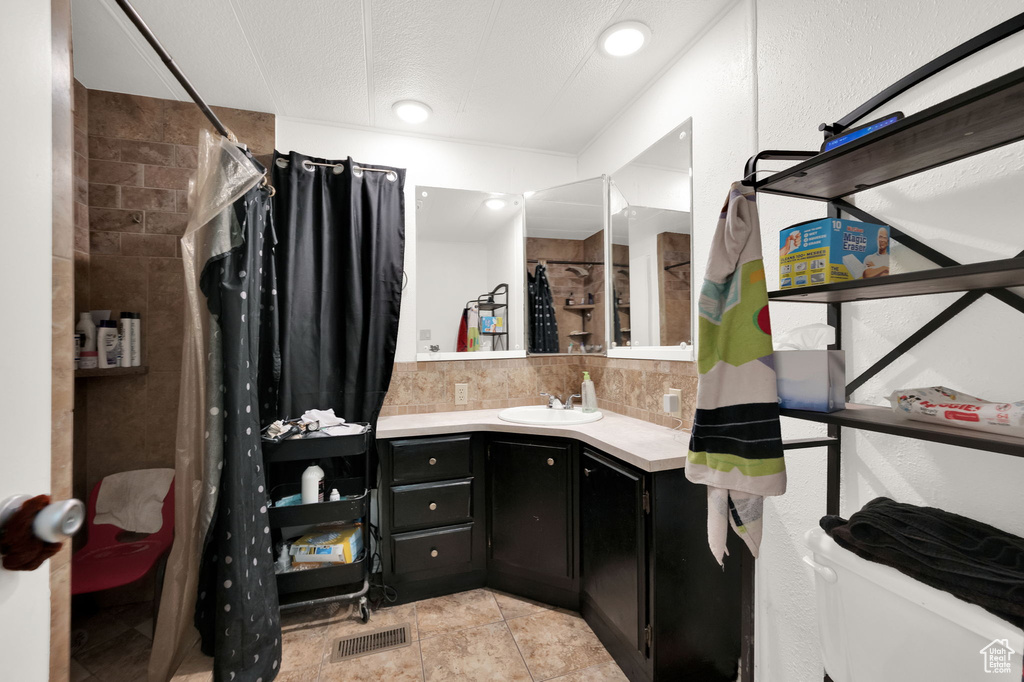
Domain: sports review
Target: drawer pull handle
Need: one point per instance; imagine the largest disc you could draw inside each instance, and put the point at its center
(551, 462)
(433, 553)
(433, 506)
(432, 461)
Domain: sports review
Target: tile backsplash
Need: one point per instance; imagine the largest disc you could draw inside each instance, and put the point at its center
(630, 387)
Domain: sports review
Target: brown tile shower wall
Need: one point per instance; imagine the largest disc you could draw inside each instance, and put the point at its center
(674, 305)
(630, 387)
(134, 167)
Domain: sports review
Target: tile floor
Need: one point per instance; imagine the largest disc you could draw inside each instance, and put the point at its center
(112, 645)
(475, 636)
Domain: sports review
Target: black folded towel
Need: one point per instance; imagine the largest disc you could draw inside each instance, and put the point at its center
(970, 560)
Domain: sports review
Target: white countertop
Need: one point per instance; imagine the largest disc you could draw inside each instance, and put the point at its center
(644, 445)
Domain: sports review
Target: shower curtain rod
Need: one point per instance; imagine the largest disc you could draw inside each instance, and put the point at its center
(283, 162)
(130, 12)
(570, 262)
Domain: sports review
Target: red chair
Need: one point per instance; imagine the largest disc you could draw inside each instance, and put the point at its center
(107, 562)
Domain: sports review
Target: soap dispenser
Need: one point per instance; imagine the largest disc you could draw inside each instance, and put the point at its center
(589, 394)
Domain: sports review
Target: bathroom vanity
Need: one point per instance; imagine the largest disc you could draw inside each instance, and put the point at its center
(597, 518)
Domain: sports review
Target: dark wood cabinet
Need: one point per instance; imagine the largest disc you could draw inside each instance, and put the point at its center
(433, 515)
(551, 520)
(613, 559)
(532, 522)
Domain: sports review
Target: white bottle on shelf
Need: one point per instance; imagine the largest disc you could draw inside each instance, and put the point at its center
(312, 485)
(88, 328)
(589, 394)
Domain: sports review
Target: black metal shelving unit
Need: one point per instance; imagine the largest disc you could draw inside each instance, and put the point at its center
(487, 303)
(984, 118)
(345, 460)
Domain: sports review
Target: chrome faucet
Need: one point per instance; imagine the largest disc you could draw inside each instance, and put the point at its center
(568, 403)
(554, 402)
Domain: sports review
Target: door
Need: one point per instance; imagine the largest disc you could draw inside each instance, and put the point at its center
(612, 547)
(26, 193)
(532, 525)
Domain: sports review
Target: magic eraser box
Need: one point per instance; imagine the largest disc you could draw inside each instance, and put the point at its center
(832, 250)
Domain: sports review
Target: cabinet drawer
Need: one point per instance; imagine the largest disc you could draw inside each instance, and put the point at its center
(431, 459)
(447, 548)
(431, 504)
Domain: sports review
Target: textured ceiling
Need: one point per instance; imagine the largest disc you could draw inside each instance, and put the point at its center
(524, 73)
(459, 215)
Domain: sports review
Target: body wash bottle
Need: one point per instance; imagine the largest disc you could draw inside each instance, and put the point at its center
(312, 485)
(589, 394)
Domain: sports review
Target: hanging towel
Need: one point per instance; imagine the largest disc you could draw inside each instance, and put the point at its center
(472, 328)
(134, 500)
(736, 442)
(969, 559)
(462, 342)
(543, 325)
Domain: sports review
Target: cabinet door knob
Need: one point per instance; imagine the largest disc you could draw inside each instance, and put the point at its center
(432, 461)
(433, 552)
(433, 506)
(551, 462)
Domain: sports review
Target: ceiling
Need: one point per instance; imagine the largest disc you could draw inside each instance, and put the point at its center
(573, 211)
(523, 73)
(459, 215)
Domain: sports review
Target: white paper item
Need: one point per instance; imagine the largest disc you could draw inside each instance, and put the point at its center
(941, 405)
(324, 417)
(809, 337)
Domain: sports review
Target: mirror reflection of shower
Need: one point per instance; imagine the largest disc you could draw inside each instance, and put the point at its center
(565, 268)
(469, 279)
(651, 223)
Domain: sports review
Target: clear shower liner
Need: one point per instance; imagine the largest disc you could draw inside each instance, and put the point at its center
(224, 175)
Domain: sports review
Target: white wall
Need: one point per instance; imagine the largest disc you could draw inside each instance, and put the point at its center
(816, 64)
(458, 274)
(712, 83)
(26, 194)
(506, 256)
(433, 162)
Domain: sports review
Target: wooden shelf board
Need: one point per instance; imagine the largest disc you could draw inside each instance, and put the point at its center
(984, 118)
(987, 275)
(110, 372)
(579, 333)
(884, 420)
(582, 306)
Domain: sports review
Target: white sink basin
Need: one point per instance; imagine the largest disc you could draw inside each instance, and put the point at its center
(544, 415)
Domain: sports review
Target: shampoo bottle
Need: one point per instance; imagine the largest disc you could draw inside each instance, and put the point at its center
(136, 339)
(312, 485)
(88, 328)
(589, 394)
(106, 344)
(125, 330)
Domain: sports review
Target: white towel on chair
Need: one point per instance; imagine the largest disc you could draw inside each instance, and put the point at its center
(134, 500)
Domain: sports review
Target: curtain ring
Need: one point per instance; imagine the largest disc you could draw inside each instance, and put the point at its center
(308, 166)
(281, 162)
(357, 172)
(391, 176)
(338, 169)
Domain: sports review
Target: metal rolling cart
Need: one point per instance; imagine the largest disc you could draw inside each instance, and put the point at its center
(345, 461)
(486, 303)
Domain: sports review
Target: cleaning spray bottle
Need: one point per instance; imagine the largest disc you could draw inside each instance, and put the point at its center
(589, 394)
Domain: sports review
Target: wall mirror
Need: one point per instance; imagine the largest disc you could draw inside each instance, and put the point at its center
(650, 249)
(469, 275)
(565, 268)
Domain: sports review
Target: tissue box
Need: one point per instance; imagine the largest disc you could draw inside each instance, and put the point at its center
(492, 324)
(831, 250)
(341, 544)
(812, 380)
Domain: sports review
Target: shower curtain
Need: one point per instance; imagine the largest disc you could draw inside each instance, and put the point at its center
(341, 227)
(212, 471)
(543, 326)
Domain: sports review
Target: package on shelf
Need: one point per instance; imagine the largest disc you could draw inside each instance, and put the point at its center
(337, 543)
(938, 404)
(832, 250)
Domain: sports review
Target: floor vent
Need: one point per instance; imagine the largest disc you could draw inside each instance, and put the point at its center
(355, 646)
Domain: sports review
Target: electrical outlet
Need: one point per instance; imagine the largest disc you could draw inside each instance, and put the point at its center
(678, 392)
(461, 394)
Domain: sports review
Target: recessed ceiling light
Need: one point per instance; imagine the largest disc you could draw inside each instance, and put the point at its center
(411, 111)
(495, 204)
(624, 38)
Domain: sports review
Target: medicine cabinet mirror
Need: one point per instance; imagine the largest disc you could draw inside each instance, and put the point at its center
(469, 275)
(650, 252)
(565, 268)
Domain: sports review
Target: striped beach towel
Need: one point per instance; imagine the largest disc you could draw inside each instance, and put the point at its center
(736, 442)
